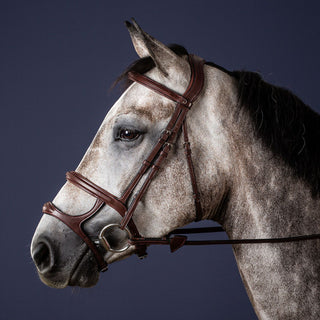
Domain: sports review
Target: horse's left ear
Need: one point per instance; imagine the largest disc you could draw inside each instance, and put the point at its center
(145, 45)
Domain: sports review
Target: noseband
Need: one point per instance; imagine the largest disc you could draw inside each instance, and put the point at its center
(149, 169)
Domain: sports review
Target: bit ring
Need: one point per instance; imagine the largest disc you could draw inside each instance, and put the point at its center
(105, 243)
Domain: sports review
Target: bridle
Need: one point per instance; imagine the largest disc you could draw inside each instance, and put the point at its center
(148, 169)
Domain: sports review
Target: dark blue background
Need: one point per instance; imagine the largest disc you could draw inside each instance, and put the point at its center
(58, 59)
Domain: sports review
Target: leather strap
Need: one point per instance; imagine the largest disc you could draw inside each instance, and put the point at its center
(106, 197)
(169, 135)
(75, 224)
(196, 193)
(176, 240)
(88, 186)
(158, 87)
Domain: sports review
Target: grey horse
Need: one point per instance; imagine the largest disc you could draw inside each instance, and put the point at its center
(256, 157)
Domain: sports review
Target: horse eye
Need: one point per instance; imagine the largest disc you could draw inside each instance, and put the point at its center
(128, 134)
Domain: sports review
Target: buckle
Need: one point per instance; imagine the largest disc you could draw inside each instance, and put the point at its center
(186, 103)
(108, 238)
(169, 144)
(165, 134)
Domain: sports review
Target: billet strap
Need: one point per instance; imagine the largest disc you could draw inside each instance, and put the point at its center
(196, 193)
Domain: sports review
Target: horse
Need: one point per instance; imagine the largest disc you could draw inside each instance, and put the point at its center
(186, 141)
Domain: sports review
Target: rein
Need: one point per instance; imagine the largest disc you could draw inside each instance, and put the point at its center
(178, 240)
(149, 168)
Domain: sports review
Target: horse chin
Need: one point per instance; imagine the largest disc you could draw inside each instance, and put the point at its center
(53, 284)
(86, 272)
(115, 257)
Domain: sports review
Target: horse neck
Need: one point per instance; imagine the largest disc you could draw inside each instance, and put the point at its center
(265, 193)
(267, 200)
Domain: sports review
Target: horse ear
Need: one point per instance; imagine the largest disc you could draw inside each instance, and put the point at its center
(145, 45)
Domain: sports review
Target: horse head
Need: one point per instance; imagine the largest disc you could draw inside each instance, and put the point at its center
(129, 133)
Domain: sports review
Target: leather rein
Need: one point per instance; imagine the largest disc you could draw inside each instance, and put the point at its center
(149, 168)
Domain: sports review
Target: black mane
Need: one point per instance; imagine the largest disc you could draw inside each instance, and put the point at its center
(287, 126)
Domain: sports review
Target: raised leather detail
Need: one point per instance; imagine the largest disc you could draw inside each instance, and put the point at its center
(86, 185)
(75, 223)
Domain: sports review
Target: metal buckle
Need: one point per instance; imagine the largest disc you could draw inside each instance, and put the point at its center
(106, 243)
(169, 144)
(166, 133)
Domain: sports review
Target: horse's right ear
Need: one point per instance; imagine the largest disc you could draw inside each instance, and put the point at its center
(145, 45)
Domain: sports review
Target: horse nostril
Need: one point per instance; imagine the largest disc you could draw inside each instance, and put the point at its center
(42, 257)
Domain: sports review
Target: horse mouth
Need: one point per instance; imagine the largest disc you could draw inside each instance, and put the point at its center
(85, 273)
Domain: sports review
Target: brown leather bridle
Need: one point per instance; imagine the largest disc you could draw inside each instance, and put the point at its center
(149, 169)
